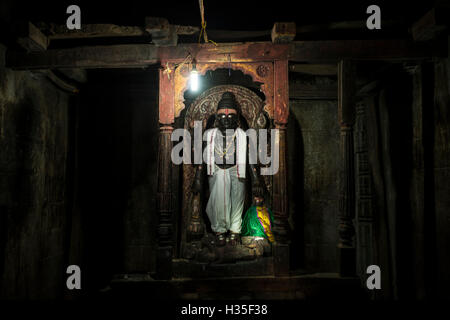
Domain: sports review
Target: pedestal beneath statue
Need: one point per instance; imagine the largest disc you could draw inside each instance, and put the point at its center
(260, 266)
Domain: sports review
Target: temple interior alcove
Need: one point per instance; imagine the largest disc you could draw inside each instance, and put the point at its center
(198, 250)
(312, 146)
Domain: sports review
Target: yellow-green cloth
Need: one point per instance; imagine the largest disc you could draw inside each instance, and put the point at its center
(257, 222)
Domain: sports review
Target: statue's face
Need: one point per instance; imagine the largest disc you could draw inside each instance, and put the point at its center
(227, 119)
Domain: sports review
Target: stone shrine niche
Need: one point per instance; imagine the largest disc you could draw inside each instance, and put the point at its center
(267, 64)
(197, 241)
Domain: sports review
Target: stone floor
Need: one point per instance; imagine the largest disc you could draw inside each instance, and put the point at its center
(294, 287)
(260, 266)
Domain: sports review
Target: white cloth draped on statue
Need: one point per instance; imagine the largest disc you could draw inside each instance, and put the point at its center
(226, 200)
(241, 147)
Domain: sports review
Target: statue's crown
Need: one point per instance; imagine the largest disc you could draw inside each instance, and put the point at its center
(228, 101)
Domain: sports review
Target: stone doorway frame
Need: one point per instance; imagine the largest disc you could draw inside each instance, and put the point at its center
(264, 62)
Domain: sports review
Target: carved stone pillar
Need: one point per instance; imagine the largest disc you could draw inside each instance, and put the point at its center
(346, 114)
(280, 212)
(281, 227)
(164, 196)
(363, 193)
(421, 96)
(164, 202)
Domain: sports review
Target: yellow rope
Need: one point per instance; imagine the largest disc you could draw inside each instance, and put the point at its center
(167, 70)
(184, 61)
(203, 29)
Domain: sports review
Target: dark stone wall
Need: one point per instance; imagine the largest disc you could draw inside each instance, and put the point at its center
(118, 146)
(34, 222)
(396, 144)
(313, 168)
(441, 173)
(408, 143)
(392, 124)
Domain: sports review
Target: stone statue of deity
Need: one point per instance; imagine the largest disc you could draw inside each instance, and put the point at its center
(227, 166)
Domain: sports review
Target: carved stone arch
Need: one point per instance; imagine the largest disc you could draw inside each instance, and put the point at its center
(201, 109)
(262, 72)
(205, 105)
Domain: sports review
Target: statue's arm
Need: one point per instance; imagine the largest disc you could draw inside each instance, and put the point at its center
(198, 177)
(197, 183)
(257, 184)
(195, 225)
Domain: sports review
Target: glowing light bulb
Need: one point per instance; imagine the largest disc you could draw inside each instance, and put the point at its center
(193, 77)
